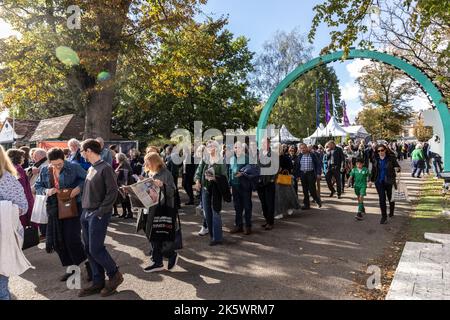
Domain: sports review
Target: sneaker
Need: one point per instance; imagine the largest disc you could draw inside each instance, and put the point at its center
(203, 231)
(94, 289)
(290, 212)
(172, 261)
(278, 217)
(359, 216)
(154, 268)
(112, 285)
(383, 220)
(237, 230)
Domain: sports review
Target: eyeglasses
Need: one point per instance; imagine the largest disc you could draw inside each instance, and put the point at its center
(381, 150)
(58, 165)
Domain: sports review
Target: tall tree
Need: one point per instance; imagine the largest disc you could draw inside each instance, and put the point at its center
(415, 29)
(176, 98)
(110, 29)
(280, 56)
(385, 94)
(297, 107)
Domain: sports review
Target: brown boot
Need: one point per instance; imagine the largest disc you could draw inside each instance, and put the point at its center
(236, 230)
(94, 289)
(112, 284)
(247, 231)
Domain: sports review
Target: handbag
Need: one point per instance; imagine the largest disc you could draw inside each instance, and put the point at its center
(30, 237)
(401, 193)
(284, 178)
(39, 213)
(67, 206)
(163, 226)
(169, 246)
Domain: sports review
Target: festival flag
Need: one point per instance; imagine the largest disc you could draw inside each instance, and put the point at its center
(327, 107)
(317, 108)
(335, 114)
(344, 110)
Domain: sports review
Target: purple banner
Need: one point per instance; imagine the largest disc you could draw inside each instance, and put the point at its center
(327, 107)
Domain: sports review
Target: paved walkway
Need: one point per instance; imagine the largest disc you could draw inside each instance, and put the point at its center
(312, 255)
(424, 271)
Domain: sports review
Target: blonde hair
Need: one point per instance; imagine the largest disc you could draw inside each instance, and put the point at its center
(6, 164)
(151, 149)
(153, 160)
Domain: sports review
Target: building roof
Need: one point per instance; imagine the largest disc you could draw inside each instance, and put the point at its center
(23, 129)
(63, 128)
(59, 128)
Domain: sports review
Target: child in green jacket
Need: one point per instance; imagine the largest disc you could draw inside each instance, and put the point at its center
(360, 175)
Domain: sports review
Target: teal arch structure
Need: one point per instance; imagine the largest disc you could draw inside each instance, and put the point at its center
(413, 72)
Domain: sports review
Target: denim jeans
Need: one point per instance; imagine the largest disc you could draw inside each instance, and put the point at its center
(417, 168)
(436, 167)
(242, 199)
(94, 234)
(213, 218)
(4, 291)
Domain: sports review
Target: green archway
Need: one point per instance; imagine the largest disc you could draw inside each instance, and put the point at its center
(413, 72)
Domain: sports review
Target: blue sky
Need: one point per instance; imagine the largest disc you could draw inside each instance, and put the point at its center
(258, 20)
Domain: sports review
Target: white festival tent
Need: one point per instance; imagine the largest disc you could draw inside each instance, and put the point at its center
(285, 136)
(333, 129)
(357, 132)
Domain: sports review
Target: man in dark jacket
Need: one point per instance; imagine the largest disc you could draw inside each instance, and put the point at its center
(189, 169)
(335, 164)
(308, 169)
(99, 196)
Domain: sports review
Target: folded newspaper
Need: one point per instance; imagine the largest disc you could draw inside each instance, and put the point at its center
(143, 194)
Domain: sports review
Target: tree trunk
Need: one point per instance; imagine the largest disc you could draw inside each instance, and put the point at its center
(111, 18)
(98, 113)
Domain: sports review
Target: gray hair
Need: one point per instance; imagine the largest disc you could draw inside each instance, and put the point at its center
(41, 153)
(121, 157)
(74, 142)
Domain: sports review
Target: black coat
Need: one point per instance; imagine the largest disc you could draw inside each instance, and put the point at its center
(220, 189)
(391, 175)
(338, 156)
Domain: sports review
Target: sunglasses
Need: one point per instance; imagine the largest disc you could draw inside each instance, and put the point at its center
(381, 150)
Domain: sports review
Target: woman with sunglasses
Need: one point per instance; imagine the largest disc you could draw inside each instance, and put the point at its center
(384, 173)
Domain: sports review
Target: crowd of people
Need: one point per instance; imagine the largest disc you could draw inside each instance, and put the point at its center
(93, 175)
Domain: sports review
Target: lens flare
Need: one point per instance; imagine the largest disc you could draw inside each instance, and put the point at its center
(67, 56)
(104, 76)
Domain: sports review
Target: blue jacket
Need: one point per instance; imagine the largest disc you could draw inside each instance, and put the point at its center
(71, 176)
(316, 164)
(78, 159)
